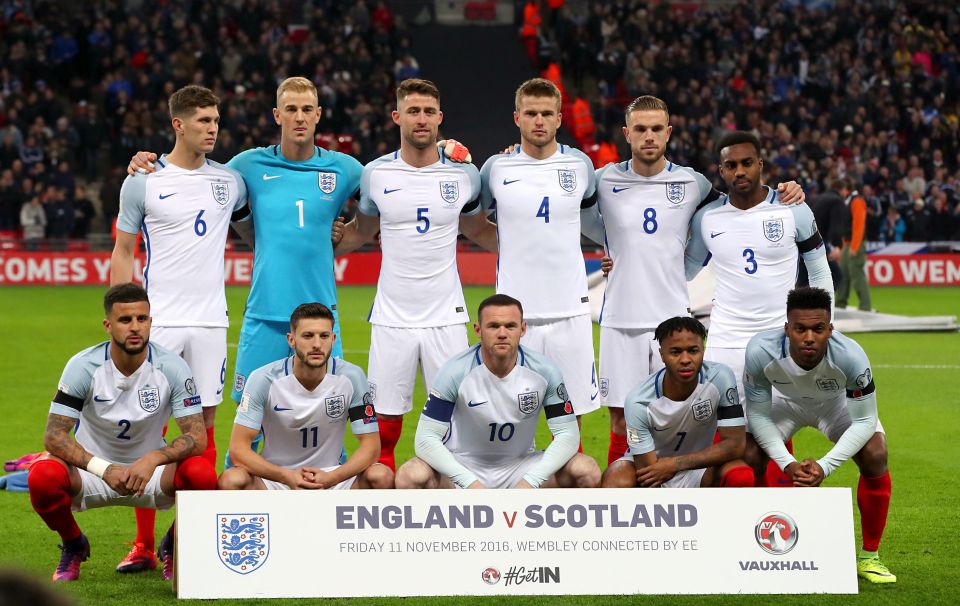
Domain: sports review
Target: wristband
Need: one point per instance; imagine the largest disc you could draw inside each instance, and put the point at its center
(98, 466)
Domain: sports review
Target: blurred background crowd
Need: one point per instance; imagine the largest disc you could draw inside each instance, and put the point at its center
(861, 90)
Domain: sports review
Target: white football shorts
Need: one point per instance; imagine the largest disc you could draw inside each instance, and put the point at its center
(395, 354)
(204, 348)
(627, 357)
(568, 343)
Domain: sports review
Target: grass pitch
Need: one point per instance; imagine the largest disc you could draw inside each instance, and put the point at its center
(917, 388)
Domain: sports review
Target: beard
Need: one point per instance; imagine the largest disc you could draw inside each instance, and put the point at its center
(306, 361)
(132, 350)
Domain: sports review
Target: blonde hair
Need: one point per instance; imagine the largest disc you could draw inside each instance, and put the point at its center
(297, 84)
(537, 87)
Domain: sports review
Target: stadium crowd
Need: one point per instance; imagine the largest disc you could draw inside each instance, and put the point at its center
(83, 86)
(870, 93)
(867, 90)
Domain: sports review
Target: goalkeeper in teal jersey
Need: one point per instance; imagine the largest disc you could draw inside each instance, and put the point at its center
(296, 192)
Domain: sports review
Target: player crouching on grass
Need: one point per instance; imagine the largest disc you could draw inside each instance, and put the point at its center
(824, 381)
(673, 415)
(303, 404)
(487, 400)
(122, 392)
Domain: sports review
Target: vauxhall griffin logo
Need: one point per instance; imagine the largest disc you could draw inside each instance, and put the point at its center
(776, 533)
(490, 576)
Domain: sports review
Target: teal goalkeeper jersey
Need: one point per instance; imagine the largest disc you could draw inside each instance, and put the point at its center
(294, 205)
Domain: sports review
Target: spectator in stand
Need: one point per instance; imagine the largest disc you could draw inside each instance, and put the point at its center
(919, 228)
(941, 219)
(110, 197)
(83, 213)
(59, 214)
(34, 222)
(10, 202)
(853, 258)
(892, 227)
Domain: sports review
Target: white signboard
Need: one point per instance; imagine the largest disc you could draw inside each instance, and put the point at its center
(485, 542)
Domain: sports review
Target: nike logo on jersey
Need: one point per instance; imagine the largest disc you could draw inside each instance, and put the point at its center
(714, 234)
(390, 191)
(99, 399)
(664, 429)
(162, 197)
(471, 404)
(505, 182)
(278, 409)
(617, 190)
(782, 382)
(220, 391)
(267, 177)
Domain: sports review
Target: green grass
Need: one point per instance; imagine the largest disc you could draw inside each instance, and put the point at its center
(917, 388)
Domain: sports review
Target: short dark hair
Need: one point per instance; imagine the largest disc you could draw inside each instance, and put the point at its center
(188, 99)
(677, 324)
(124, 293)
(310, 310)
(417, 86)
(737, 137)
(808, 297)
(499, 300)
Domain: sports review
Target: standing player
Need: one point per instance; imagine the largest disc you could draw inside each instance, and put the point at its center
(184, 210)
(755, 243)
(538, 193)
(478, 426)
(418, 201)
(646, 204)
(313, 397)
(122, 393)
(824, 381)
(673, 415)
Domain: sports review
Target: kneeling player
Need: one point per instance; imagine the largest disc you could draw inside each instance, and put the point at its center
(302, 404)
(489, 399)
(122, 392)
(673, 415)
(825, 382)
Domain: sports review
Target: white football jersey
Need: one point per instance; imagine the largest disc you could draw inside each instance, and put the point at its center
(538, 205)
(755, 255)
(184, 216)
(647, 223)
(122, 417)
(420, 210)
(655, 422)
(494, 420)
(304, 428)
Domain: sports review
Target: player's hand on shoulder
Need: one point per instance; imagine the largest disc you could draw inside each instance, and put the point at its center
(511, 149)
(660, 472)
(337, 233)
(791, 193)
(116, 478)
(454, 150)
(606, 265)
(142, 162)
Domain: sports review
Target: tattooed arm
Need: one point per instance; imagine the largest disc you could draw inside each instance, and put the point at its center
(192, 441)
(60, 443)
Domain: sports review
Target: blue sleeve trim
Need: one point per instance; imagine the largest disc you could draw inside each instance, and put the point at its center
(656, 382)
